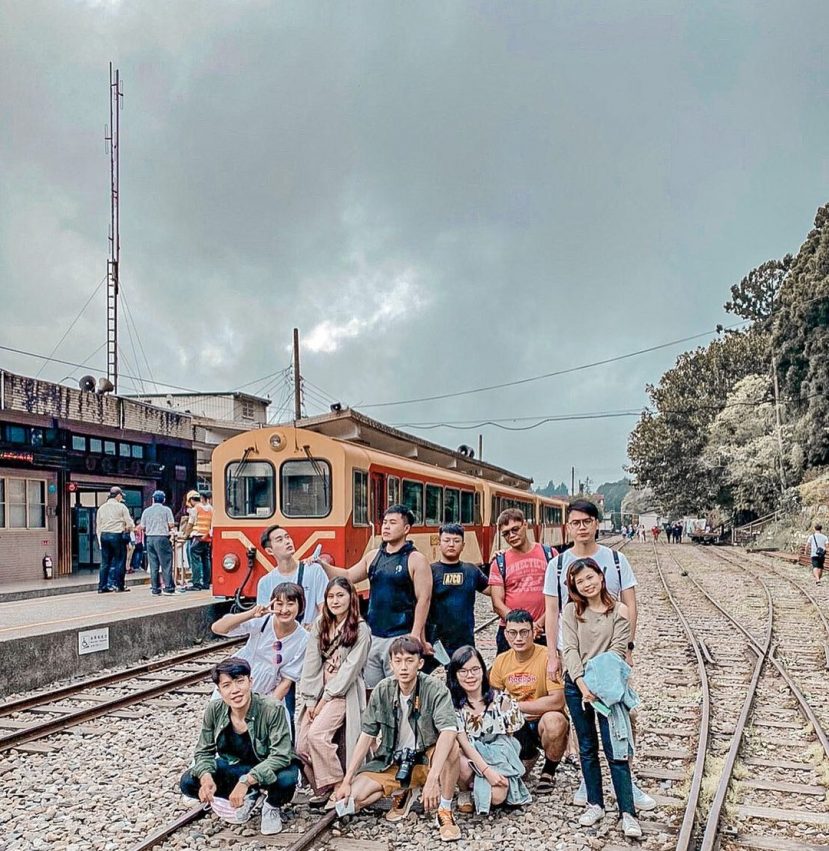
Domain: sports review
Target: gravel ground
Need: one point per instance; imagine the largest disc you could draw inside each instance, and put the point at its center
(111, 783)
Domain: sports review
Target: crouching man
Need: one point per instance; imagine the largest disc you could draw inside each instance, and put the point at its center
(244, 750)
(418, 751)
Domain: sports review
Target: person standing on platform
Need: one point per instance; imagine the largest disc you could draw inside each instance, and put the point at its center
(516, 577)
(401, 590)
(279, 545)
(817, 552)
(113, 523)
(157, 523)
(198, 532)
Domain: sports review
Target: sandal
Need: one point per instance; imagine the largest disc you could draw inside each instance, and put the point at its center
(546, 784)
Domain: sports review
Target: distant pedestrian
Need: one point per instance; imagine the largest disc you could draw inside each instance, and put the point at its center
(655, 532)
(138, 550)
(677, 532)
(198, 533)
(157, 523)
(114, 524)
(817, 552)
(642, 536)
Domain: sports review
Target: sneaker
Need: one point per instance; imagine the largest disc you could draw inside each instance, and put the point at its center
(580, 798)
(169, 591)
(642, 800)
(465, 804)
(593, 814)
(271, 820)
(448, 829)
(104, 590)
(244, 812)
(156, 593)
(123, 590)
(317, 802)
(401, 804)
(630, 827)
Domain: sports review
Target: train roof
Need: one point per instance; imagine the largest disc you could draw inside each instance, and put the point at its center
(354, 427)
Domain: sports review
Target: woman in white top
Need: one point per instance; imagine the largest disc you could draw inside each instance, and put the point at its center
(276, 642)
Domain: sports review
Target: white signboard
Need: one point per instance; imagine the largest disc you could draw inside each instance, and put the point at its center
(93, 640)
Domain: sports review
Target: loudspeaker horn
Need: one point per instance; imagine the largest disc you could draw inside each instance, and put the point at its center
(105, 385)
(87, 383)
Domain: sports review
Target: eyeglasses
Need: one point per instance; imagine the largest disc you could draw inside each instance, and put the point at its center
(470, 672)
(513, 530)
(582, 524)
(517, 633)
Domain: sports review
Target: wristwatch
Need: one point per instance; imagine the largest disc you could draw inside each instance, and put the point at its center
(631, 645)
(247, 780)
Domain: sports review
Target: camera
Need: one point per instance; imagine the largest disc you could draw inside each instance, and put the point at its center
(406, 760)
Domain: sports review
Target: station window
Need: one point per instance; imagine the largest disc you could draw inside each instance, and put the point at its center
(137, 450)
(393, 490)
(249, 489)
(78, 443)
(96, 445)
(305, 489)
(412, 497)
(467, 507)
(16, 434)
(434, 505)
(360, 515)
(451, 505)
(22, 503)
(109, 447)
(124, 450)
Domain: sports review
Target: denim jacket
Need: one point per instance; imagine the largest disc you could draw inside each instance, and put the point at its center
(606, 675)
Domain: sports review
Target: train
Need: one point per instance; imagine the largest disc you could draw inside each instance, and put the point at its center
(331, 490)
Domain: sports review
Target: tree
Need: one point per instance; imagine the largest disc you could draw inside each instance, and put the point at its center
(553, 490)
(800, 338)
(666, 446)
(754, 297)
(614, 493)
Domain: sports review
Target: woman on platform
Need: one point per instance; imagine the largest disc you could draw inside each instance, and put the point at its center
(331, 691)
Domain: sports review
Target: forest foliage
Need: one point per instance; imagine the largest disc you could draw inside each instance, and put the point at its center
(710, 437)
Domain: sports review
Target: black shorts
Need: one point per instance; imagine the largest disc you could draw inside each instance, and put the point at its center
(529, 739)
(818, 562)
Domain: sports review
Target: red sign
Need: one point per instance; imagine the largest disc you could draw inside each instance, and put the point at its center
(71, 487)
(11, 455)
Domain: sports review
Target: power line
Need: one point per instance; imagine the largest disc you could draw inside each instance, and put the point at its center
(131, 320)
(552, 374)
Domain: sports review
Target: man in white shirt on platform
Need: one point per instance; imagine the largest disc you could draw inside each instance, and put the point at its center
(817, 552)
(113, 522)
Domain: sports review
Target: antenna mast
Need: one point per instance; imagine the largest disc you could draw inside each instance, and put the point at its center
(113, 140)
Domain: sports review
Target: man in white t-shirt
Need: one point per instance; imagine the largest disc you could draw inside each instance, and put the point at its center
(817, 552)
(278, 544)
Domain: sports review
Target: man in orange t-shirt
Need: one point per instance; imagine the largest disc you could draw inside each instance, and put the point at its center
(522, 673)
(522, 584)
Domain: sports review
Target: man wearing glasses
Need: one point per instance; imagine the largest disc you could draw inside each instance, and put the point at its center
(516, 577)
(583, 521)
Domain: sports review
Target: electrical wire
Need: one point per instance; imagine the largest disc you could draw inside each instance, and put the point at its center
(131, 319)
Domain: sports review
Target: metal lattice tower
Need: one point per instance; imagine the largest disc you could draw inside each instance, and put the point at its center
(112, 137)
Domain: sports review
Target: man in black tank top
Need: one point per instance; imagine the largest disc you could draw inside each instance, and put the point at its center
(401, 590)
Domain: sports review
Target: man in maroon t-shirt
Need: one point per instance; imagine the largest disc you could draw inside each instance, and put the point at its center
(524, 565)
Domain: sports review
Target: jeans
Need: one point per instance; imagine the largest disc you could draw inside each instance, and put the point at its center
(198, 554)
(584, 720)
(113, 561)
(502, 645)
(160, 558)
(227, 775)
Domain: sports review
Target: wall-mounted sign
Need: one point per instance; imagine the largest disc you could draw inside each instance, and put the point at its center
(53, 488)
(93, 640)
(11, 455)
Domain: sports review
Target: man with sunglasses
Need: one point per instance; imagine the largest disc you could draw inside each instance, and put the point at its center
(516, 576)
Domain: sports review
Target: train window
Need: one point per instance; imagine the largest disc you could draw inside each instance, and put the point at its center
(478, 519)
(467, 507)
(393, 490)
(451, 505)
(250, 488)
(434, 505)
(412, 497)
(305, 488)
(360, 517)
(529, 511)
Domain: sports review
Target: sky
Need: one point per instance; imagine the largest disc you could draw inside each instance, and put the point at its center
(440, 196)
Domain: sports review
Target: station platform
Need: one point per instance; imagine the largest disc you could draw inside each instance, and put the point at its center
(45, 639)
(77, 583)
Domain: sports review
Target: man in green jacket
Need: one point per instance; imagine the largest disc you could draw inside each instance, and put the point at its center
(244, 750)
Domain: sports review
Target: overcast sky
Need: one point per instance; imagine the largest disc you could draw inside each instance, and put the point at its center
(441, 196)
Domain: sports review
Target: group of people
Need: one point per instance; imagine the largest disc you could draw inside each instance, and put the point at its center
(156, 534)
(315, 680)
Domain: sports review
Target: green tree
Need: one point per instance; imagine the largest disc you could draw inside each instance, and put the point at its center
(552, 489)
(800, 339)
(754, 297)
(614, 493)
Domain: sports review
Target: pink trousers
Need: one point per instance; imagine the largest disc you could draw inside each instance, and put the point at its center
(316, 746)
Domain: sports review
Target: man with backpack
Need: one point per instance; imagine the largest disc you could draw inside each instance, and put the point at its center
(516, 576)
(817, 552)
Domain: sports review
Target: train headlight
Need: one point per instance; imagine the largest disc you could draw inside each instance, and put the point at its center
(278, 441)
(230, 563)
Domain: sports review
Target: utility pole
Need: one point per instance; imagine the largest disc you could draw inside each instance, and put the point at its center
(779, 422)
(480, 447)
(297, 379)
(113, 142)
(572, 481)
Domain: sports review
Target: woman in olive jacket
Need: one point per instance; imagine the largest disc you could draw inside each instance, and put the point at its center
(331, 690)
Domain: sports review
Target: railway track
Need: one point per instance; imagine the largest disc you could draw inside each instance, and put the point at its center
(35, 717)
(754, 803)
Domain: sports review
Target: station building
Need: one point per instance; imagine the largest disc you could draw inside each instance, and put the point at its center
(61, 450)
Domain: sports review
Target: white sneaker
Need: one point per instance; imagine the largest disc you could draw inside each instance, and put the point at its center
(271, 820)
(244, 812)
(580, 798)
(593, 814)
(630, 826)
(642, 800)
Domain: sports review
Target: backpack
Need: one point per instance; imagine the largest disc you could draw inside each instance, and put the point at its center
(501, 561)
(560, 564)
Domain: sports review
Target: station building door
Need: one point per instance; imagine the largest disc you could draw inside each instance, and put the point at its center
(86, 553)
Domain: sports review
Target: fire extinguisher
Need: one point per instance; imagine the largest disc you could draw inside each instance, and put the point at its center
(47, 567)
